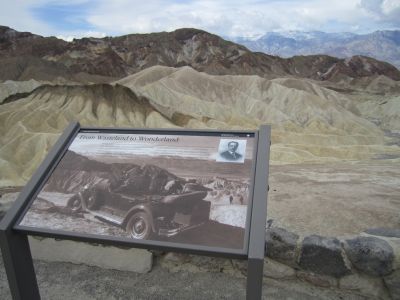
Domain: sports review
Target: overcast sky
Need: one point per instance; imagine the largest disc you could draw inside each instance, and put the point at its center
(229, 18)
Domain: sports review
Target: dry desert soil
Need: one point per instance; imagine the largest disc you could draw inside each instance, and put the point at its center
(335, 199)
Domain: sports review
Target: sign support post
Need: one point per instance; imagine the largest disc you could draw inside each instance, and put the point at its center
(19, 266)
(255, 263)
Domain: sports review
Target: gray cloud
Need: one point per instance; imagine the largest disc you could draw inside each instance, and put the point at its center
(227, 18)
(230, 18)
(383, 11)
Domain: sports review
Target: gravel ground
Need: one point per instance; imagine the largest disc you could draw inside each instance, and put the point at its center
(69, 281)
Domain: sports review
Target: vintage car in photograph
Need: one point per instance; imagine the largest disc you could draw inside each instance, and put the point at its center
(178, 208)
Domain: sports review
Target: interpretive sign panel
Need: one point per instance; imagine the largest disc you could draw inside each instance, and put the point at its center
(201, 192)
(182, 188)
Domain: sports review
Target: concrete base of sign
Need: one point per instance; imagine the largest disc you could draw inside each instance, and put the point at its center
(109, 257)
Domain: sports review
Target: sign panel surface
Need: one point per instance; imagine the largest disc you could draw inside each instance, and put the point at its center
(170, 187)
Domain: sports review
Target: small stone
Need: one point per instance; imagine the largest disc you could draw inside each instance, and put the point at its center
(210, 264)
(393, 284)
(367, 286)
(177, 262)
(240, 266)
(276, 270)
(370, 255)
(323, 256)
(176, 257)
(317, 279)
(281, 245)
(180, 262)
(387, 232)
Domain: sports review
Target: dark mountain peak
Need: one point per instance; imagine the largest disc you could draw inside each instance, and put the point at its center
(88, 40)
(4, 29)
(363, 66)
(188, 33)
(7, 33)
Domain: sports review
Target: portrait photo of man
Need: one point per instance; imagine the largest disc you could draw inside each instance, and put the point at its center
(231, 151)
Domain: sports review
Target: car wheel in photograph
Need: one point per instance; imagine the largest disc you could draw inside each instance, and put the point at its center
(139, 226)
(93, 200)
(75, 203)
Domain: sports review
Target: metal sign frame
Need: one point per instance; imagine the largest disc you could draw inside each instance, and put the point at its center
(14, 237)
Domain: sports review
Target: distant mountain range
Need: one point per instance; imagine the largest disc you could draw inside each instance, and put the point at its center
(382, 45)
(25, 56)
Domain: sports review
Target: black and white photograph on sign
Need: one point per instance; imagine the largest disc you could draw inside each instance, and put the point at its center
(148, 187)
(230, 150)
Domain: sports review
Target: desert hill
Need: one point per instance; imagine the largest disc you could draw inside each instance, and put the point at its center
(10, 90)
(384, 112)
(283, 102)
(30, 125)
(310, 123)
(27, 56)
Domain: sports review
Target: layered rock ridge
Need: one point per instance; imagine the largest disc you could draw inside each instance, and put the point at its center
(310, 123)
